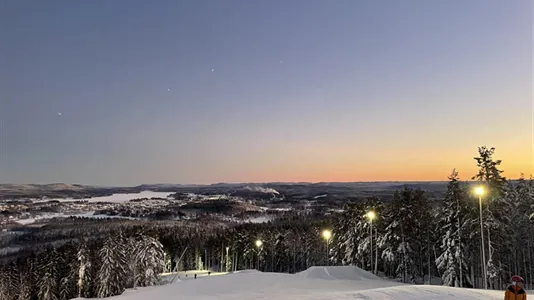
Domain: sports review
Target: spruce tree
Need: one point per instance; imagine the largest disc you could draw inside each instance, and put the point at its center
(84, 271)
(497, 223)
(47, 284)
(26, 283)
(407, 219)
(452, 259)
(350, 240)
(111, 275)
(150, 261)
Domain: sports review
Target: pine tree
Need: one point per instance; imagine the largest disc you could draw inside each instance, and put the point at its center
(25, 282)
(406, 233)
(520, 199)
(452, 259)
(67, 271)
(4, 287)
(14, 280)
(132, 245)
(150, 261)
(84, 271)
(47, 287)
(349, 240)
(497, 223)
(112, 272)
(8, 282)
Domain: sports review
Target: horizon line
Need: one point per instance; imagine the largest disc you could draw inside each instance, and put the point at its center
(246, 183)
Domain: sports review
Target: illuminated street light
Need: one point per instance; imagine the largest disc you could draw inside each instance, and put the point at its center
(259, 243)
(479, 190)
(327, 234)
(371, 215)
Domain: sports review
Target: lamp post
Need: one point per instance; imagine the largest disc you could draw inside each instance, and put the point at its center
(480, 191)
(259, 243)
(371, 215)
(327, 234)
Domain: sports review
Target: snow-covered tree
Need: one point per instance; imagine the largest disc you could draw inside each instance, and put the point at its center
(406, 233)
(497, 222)
(112, 273)
(150, 261)
(348, 235)
(9, 282)
(453, 253)
(351, 242)
(26, 276)
(47, 285)
(199, 265)
(84, 274)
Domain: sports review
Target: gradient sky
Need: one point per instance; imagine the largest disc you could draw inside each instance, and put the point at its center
(126, 92)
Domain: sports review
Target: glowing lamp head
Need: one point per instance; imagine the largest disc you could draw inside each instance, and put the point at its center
(327, 234)
(371, 215)
(479, 190)
(259, 243)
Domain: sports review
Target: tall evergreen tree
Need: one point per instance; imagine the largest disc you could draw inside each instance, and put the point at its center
(112, 272)
(497, 223)
(350, 239)
(84, 271)
(26, 284)
(406, 233)
(47, 285)
(452, 259)
(8, 282)
(150, 260)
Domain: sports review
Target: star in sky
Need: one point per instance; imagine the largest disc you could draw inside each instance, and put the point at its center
(59, 114)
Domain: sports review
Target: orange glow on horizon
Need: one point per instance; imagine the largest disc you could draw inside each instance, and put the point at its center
(422, 170)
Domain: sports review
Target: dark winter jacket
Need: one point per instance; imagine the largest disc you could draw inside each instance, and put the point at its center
(515, 293)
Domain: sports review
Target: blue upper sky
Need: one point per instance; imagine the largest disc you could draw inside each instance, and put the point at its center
(129, 92)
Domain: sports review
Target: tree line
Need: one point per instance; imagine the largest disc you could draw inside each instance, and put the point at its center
(417, 237)
(410, 238)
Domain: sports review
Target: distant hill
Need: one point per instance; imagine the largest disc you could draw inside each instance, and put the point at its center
(295, 190)
(35, 187)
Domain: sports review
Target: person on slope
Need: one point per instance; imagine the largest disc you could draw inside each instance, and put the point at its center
(515, 291)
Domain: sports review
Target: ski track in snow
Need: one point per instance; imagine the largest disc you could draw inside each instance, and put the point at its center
(327, 273)
(316, 283)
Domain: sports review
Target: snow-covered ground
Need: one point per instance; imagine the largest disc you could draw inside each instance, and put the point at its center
(316, 283)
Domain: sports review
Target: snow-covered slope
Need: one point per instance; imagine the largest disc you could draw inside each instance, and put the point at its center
(317, 283)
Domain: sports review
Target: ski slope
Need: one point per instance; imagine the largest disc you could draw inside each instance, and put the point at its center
(316, 283)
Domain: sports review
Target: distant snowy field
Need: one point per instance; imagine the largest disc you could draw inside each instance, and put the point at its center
(91, 214)
(120, 198)
(316, 283)
(115, 198)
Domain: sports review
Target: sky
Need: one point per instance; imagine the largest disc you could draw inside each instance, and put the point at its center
(126, 92)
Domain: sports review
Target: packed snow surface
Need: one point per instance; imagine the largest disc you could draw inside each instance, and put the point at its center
(316, 283)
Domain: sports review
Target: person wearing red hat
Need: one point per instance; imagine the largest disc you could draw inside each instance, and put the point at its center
(515, 291)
